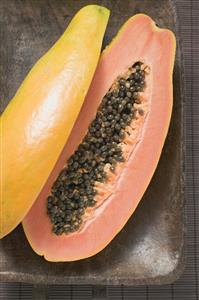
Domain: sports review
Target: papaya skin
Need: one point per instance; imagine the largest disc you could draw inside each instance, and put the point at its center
(156, 49)
(37, 122)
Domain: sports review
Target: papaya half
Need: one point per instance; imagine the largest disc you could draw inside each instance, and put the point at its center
(37, 122)
(113, 149)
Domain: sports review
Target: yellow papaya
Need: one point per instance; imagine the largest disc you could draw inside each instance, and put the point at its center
(37, 122)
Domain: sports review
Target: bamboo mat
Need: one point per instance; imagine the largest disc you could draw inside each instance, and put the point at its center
(187, 287)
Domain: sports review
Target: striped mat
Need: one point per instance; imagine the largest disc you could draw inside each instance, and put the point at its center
(187, 287)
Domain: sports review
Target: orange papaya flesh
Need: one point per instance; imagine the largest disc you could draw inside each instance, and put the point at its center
(139, 40)
(39, 119)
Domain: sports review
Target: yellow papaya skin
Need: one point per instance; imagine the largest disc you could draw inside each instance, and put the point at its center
(37, 122)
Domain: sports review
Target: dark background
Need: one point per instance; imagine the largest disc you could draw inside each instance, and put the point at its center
(187, 287)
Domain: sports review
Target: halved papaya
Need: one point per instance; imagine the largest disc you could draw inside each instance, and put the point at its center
(39, 119)
(113, 149)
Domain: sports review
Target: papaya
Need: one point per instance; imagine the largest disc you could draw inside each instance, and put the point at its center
(37, 122)
(113, 149)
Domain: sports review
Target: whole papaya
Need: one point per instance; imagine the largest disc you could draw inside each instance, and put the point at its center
(38, 120)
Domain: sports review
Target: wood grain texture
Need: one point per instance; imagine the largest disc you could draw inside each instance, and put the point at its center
(149, 250)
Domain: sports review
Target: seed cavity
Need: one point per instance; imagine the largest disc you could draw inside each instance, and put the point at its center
(75, 188)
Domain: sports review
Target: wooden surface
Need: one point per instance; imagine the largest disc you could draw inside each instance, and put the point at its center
(156, 230)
